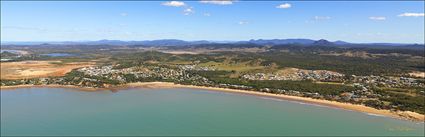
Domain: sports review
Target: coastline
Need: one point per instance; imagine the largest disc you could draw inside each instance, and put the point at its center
(406, 115)
(85, 89)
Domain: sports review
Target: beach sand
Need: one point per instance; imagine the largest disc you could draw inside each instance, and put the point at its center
(407, 115)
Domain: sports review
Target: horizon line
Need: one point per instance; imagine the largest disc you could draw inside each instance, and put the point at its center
(1, 41)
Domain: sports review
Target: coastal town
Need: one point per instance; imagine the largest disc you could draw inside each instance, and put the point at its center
(364, 87)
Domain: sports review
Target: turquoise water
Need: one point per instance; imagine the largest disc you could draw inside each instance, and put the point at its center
(180, 111)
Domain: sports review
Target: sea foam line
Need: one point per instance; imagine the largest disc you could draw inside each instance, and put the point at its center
(296, 102)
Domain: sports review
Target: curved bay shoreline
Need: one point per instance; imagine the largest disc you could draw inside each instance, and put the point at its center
(405, 115)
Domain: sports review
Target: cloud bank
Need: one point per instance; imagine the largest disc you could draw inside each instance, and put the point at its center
(284, 6)
(174, 3)
(378, 18)
(407, 14)
(217, 2)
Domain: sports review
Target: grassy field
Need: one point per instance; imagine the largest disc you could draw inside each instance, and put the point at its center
(227, 66)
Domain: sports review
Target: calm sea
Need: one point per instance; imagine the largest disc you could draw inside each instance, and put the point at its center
(180, 111)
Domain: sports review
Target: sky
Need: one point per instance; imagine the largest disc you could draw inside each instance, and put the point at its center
(352, 21)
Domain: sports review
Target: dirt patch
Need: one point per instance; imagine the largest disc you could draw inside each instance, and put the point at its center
(37, 69)
(418, 74)
(359, 54)
(179, 52)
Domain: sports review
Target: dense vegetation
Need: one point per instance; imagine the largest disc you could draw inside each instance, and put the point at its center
(404, 102)
(7, 54)
(221, 77)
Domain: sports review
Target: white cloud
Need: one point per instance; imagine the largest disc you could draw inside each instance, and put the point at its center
(123, 14)
(284, 6)
(207, 14)
(378, 18)
(174, 3)
(322, 17)
(407, 14)
(188, 11)
(218, 2)
(242, 22)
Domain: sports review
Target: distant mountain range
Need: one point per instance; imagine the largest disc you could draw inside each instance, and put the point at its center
(162, 42)
(176, 42)
(279, 41)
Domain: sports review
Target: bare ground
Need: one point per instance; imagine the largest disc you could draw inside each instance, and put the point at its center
(37, 69)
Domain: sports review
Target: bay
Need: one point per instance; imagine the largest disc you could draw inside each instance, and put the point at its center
(181, 111)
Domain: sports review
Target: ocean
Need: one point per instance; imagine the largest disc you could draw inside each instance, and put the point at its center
(181, 111)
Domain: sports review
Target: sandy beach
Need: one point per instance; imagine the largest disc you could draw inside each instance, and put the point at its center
(407, 115)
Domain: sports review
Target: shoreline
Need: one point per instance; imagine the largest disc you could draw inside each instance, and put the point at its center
(406, 115)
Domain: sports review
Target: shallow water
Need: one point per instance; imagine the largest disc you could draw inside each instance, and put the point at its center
(180, 111)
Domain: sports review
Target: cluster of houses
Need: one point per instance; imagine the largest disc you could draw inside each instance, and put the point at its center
(388, 81)
(196, 67)
(315, 75)
(145, 72)
(96, 71)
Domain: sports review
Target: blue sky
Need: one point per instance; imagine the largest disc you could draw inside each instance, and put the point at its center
(397, 22)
